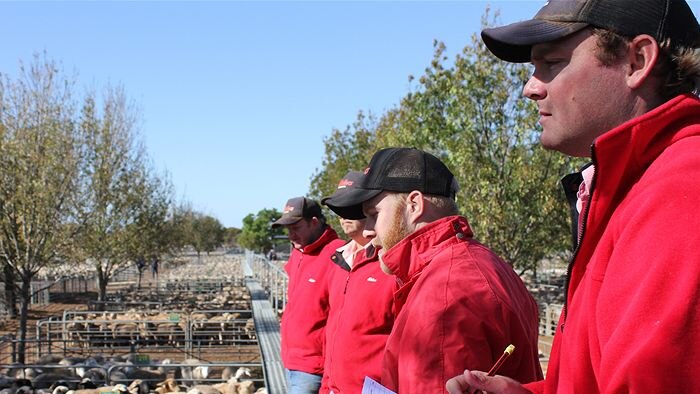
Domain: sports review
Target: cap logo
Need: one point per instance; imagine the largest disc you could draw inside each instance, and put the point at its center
(345, 183)
(288, 208)
(366, 171)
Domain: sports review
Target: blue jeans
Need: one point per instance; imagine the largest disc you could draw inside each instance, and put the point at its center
(302, 383)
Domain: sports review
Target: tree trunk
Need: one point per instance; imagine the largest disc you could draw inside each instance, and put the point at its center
(26, 299)
(10, 290)
(102, 281)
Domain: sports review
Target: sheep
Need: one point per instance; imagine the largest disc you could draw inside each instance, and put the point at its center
(19, 386)
(60, 389)
(233, 386)
(150, 377)
(227, 373)
(173, 331)
(246, 387)
(203, 389)
(120, 388)
(24, 373)
(192, 374)
(47, 379)
(250, 328)
(6, 382)
(87, 383)
(96, 376)
(167, 386)
(49, 359)
(138, 386)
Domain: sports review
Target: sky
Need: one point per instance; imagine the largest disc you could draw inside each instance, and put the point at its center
(235, 98)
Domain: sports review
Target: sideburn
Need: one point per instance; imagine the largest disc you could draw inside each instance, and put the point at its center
(398, 229)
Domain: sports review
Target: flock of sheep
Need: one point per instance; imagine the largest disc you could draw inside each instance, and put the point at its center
(99, 374)
(201, 305)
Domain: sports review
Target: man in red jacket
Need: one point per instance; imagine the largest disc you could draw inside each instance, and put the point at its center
(361, 305)
(616, 80)
(305, 315)
(459, 305)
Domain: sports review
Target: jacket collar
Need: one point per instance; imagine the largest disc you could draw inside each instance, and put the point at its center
(621, 156)
(639, 141)
(407, 258)
(363, 256)
(313, 248)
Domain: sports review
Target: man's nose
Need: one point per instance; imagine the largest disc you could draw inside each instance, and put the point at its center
(534, 89)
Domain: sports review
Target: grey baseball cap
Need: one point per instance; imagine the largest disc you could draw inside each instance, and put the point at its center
(662, 19)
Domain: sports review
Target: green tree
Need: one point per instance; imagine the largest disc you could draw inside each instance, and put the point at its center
(150, 235)
(345, 150)
(256, 234)
(39, 149)
(231, 235)
(111, 185)
(180, 225)
(208, 233)
(470, 114)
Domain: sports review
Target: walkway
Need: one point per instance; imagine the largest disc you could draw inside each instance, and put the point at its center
(268, 330)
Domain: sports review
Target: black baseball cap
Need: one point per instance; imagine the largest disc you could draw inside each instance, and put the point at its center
(344, 194)
(400, 170)
(662, 19)
(298, 208)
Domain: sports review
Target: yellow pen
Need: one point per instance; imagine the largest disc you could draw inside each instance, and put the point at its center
(499, 363)
(501, 360)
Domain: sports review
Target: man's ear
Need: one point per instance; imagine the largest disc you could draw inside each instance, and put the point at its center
(642, 55)
(415, 206)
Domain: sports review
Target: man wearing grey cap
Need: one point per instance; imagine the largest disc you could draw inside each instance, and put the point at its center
(306, 313)
(617, 81)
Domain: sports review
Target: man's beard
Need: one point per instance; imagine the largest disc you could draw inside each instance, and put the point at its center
(397, 231)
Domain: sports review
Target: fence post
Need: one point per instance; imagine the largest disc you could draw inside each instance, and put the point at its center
(14, 350)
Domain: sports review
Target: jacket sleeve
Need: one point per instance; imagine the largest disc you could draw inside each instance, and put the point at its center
(445, 333)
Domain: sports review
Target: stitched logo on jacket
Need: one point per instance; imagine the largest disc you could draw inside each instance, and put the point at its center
(312, 280)
(371, 279)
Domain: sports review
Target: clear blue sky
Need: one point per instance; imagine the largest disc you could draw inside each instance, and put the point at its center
(235, 98)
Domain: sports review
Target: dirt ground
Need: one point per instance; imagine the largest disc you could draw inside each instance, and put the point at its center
(73, 302)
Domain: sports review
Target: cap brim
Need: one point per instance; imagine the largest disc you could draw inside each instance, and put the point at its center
(348, 203)
(513, 42)
(284, 221)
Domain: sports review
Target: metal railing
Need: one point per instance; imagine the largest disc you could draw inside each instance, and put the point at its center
(271, 277)
(82, 332)
(214, 373)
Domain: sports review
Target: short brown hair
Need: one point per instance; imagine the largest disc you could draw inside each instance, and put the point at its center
(678, 67)
(446, 206)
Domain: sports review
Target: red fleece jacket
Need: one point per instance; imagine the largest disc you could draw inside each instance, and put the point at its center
(360, 320)
(461, 306)
(303, 323)
(631, 324)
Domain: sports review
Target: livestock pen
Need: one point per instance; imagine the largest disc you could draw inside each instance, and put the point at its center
(211, 323)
